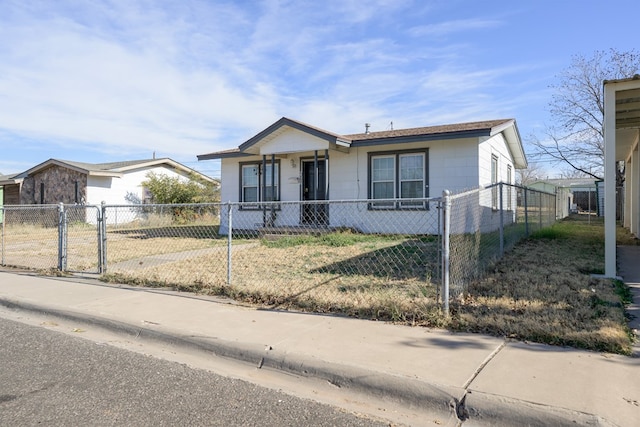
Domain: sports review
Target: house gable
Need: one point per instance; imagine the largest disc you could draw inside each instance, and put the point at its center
(69, 182)
(282, 142)
(54, 184)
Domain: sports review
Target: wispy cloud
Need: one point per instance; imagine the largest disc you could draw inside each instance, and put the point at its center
(184, 78)
(455, 26)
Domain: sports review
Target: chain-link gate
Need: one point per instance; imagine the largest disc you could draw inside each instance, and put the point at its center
(82, 238)
(43, 237)
(30, 236)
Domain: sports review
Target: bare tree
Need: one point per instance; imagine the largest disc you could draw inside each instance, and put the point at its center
(577, 108)
(528, 176)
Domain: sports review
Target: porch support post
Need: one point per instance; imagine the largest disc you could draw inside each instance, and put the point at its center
(264, 190)
(610, 180)
(632, 201)
(315, 187)
(326, 174)
(272, 220)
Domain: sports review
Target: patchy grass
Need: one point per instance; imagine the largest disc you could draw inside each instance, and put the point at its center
(543, 291)
(376, 277)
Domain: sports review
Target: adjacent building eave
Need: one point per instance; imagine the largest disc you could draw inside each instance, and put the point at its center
(112, 170)
(510, 130)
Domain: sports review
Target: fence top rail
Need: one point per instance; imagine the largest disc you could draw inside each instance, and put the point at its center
(163, 205)
(275, 203)
(498, 184)
(219, 204)
(18, 207)
(522, 187)
(336, 202)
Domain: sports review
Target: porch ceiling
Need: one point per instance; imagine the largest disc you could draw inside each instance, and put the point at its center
(627, 120)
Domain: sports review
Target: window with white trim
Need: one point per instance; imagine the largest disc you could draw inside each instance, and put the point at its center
(494, 181)
(509, 188)
(400, 175)
(255, 187)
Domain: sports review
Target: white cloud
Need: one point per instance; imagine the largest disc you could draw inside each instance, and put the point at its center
(186, 78)
(455, 26)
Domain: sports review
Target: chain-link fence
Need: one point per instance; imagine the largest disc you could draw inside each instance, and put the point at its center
(351, 256)
(326, 256)
(45, 237)
(487, 222)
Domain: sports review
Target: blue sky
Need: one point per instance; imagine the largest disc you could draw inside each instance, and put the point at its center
(99, 81)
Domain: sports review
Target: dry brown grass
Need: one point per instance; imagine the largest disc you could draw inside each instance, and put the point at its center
(363, 276)
(544, 291)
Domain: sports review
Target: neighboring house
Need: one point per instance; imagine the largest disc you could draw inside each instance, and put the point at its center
(294, 161)
(61, 181)
(573, 194)
(9, 189)
(9, 192)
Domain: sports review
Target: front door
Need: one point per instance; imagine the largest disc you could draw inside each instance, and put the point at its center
(314, 187)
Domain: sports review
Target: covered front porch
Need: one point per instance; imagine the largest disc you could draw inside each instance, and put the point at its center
(621, 138)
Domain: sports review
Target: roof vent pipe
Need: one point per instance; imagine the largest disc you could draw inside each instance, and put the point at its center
(366, 127)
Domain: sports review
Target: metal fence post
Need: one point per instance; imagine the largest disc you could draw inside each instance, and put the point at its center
(102, 238)
(500, 187)
(62, 238)
(526, 213)
(540, 211)
(4, 216)
(446, 225)
(229, 240)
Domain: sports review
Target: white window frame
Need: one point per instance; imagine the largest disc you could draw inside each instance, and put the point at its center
(400, 180)
(393, 181)
(253, 204)
(495, 163)
(397, 179)
(509, 188)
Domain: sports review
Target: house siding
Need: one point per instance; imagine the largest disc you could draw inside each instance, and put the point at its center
(451, 165)
(12, 194)
(123, 190)
(59, 187)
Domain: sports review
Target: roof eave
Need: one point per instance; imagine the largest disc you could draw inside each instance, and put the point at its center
(284, 121)
(476, 133)
(222, 155)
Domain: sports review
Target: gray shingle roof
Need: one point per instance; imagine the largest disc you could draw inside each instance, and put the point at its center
(429, 130)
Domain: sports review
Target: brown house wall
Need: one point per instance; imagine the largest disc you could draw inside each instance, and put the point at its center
(12, 194)
(59, 187)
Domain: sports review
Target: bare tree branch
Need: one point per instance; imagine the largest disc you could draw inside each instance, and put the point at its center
(577, 110)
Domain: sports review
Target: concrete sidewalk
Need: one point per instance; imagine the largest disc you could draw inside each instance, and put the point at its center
(479, 379)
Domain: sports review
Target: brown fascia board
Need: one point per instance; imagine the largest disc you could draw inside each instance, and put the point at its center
(226, 154)
(285, 121)
(431, 133)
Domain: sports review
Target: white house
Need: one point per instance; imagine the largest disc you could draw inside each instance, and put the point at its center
(62, 181)
(291, 161)
(621, 138)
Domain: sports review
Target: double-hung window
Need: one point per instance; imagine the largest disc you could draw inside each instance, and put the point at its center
(383, 185)
(258, 185)
(400, 175)
(494, 181)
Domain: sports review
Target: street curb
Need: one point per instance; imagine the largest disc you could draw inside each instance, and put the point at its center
(484, 409)
(469, 407)
(408, 392)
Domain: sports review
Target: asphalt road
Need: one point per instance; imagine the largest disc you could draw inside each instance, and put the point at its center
(50, 378)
